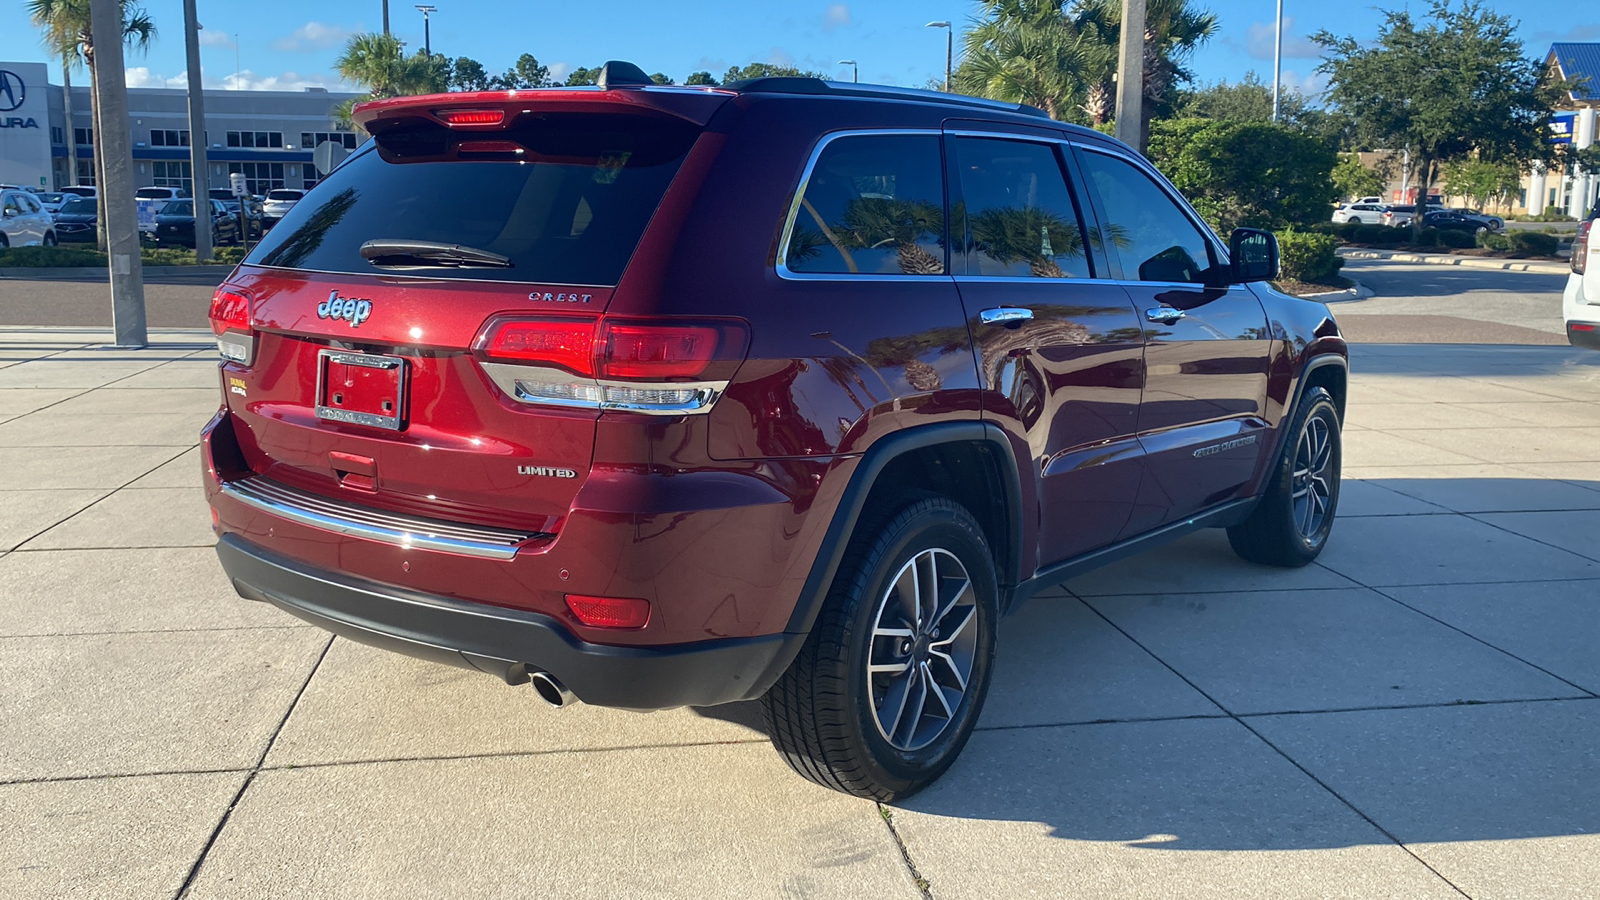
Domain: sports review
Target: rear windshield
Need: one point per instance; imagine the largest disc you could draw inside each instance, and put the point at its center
(178, 208)
(78, 206)
(565, 197)
(285, 195)
(153, 193)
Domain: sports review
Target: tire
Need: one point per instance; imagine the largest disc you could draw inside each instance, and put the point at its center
(1291, 523)
(1352, 221)
(827, 714)
(4, 241)
(49, 239)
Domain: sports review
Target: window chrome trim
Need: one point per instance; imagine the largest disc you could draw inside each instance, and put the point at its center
(401, 530)
(782, 265)
(507, 375)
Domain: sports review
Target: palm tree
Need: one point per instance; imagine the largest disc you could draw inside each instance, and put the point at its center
(1027, 51)
(378, 63)
(69, 34)
(873, 222)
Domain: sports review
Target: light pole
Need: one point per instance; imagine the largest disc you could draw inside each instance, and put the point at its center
(949, 49)
(386, 17)
(1277, 62)
(1130, 76)
(427, 34)
(199, 184)
(855, 71)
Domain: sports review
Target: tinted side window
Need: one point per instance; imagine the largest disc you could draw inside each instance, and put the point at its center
(1153, 237)
(873, 205)
(1017, 216)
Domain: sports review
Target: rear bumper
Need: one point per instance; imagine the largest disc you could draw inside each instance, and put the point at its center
(509, 643)
(1580, 336)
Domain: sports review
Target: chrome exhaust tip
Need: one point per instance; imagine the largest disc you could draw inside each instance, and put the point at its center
(550, 690)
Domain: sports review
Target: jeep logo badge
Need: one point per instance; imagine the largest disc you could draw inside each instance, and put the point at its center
(349, 309)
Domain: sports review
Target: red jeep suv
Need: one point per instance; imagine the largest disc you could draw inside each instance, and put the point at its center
(787, 389)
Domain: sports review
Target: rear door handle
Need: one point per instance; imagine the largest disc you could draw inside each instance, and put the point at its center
(1005, 315)
(1166, 315)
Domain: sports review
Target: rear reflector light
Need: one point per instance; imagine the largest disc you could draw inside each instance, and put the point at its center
(1580, 247)
(471, 116)
(230, 322)
(609, 612)
(1580, 326)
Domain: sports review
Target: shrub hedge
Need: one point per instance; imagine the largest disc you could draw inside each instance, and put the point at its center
(1534, 243)
(81, 257)
(1308, 257)
(1495, 241)
(1455, 239)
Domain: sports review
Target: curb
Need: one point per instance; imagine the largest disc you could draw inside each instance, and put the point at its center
(97, 272)
(1469, 262)
(1350, 294)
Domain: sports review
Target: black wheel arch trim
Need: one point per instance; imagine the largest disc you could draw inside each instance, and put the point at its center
(854, 500)
(1321, 360)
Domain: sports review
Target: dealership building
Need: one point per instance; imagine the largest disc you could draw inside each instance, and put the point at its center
(266, 135)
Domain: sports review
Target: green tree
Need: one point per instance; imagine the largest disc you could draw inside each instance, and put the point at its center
(766, 70)
(1247, 100)
(1031, 52)
(527, 73)
(582, 76)
(467, 74)
(377, 62)
(1246, 173)
(1352, 178)
(700, 78)
(1451, 86)
(1173, 31)
(1484, 183)
(661, 78)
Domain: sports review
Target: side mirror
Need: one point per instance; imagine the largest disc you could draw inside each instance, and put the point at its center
(1253, 255)
(11, 211)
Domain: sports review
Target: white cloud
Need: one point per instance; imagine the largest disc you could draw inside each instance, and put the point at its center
(836, 16)
(1312, 85)
(139, 76)
(311, 36)
(559, 71)
(780, 57)
(215, 38)
(1261, 38)
(284, 81)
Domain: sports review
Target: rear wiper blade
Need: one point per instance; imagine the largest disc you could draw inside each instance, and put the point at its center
(396, 252)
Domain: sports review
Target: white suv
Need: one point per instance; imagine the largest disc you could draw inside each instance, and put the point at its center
(1580, 303)
(24, 221)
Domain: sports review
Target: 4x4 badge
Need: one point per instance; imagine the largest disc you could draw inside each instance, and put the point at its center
(349, 309)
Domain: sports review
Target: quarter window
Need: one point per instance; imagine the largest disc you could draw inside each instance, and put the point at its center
(873, 205)
(1015, 213)
(1151, 234)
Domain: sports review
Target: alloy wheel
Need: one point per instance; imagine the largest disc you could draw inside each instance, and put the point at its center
(924, 640)
(1313, 464)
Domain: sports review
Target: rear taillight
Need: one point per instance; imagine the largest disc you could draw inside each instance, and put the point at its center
(663, 367)
(230, 322)
(1580, 247)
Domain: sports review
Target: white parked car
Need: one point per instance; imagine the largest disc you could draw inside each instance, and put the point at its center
(1362, 213)
(24, 222)
(82, 190)
(278, 203)
(1580, 303)
(51, 200)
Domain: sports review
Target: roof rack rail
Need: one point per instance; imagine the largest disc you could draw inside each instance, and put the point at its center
(801, 85)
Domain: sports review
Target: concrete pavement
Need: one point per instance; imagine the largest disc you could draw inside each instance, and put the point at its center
(1413, 716)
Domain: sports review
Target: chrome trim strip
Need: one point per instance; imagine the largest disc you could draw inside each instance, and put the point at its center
(400, 530)
(507, 375)
(799, 194)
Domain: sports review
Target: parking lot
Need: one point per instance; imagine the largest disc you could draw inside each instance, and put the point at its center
(1413, 716)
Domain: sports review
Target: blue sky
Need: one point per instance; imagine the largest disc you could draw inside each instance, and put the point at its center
(290, 44)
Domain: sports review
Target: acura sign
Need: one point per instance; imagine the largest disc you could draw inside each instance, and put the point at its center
(13, 93)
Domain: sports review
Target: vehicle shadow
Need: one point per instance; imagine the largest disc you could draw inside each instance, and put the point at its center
(1500, 361)
(1150, 762)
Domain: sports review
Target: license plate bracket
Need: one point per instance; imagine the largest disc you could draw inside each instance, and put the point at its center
(361, 389)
